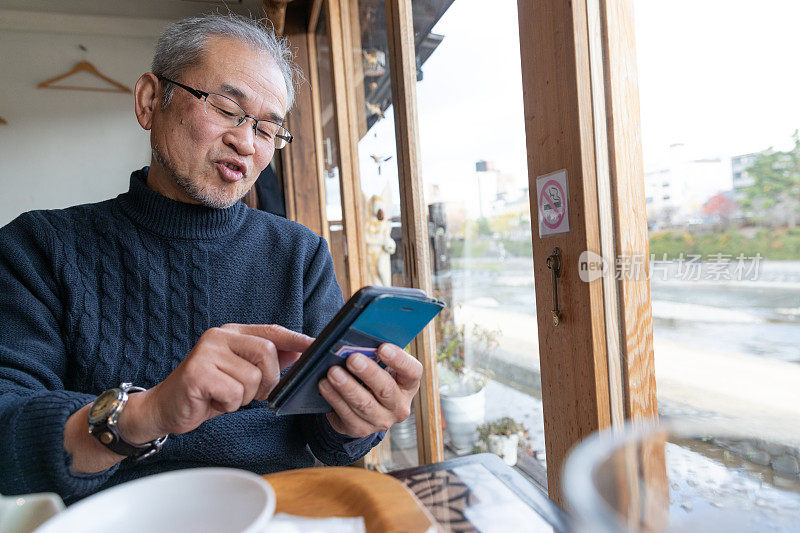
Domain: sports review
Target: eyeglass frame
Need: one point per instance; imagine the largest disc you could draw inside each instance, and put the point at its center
(197, 93)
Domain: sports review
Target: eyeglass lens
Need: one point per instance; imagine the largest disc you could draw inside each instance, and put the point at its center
(226, 112)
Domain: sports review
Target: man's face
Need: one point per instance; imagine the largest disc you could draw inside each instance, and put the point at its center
(192, 153)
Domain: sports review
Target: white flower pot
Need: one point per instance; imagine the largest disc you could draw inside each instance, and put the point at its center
(463, 415)
(403, 435)
(505, 446)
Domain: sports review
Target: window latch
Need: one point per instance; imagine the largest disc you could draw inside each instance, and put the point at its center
(554, 263)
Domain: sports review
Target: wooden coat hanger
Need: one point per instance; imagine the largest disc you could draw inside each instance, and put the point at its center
(3, 121)
(84, 66)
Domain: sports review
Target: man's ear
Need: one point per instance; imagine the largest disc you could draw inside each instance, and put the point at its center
(146, 97)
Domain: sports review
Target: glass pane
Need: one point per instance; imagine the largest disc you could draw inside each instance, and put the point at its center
(474, 173)
(722, 185)
(330, 152)
(380, 193)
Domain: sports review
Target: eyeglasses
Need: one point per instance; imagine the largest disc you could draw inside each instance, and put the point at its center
(226, 112)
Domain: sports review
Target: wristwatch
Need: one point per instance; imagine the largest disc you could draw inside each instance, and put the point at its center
(103, 416)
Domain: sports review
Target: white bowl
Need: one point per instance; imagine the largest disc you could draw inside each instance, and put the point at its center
(215, 500)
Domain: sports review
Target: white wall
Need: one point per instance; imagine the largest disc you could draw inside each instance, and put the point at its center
(63, 148)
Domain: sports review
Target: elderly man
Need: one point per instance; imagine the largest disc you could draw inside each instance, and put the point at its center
(180, 289)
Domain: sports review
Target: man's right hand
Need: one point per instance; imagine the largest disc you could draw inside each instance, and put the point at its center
(229, 367)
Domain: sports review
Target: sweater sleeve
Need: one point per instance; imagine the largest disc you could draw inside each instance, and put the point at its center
(322, 300)
(34, 406)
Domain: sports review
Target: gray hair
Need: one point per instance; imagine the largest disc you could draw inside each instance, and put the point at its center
(184, 42)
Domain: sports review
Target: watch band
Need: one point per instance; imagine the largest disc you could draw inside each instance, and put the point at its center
(106, 431)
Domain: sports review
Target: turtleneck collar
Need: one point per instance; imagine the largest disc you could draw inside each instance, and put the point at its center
(169, 218)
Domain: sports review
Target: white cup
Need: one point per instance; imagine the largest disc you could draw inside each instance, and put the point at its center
(218, 500)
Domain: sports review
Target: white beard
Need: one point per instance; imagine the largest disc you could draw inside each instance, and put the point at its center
(208, 195)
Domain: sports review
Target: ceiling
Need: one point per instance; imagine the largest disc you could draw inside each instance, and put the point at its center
(157, 9)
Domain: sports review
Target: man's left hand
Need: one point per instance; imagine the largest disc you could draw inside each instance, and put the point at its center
(359, 411)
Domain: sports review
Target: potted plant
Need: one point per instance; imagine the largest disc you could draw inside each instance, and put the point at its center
(502, 437)
(461, 387)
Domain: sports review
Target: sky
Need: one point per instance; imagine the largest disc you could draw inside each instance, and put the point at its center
(719, 76)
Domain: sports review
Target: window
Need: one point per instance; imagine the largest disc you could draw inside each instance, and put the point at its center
(474, 173)
(725, 293)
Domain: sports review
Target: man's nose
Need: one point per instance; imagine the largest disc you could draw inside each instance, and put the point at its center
(242, 138)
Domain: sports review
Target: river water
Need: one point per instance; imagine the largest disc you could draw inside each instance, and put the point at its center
(756, 315)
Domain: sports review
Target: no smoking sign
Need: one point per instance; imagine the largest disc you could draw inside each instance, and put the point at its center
(551, 192)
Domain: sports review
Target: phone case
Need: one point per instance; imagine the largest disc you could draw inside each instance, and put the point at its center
(373, 316)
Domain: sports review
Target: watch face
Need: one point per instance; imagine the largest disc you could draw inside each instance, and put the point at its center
(103, 405)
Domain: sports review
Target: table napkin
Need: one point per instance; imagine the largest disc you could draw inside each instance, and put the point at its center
(286, 523)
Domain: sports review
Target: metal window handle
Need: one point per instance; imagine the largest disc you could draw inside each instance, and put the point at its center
(554, 263)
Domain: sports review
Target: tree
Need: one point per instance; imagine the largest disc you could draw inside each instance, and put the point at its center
(483, 227)
(775, 192)
(721, 207)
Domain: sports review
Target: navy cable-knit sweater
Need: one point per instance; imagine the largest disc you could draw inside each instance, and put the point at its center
(121, 290)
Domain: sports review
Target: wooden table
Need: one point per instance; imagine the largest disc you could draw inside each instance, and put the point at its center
(473, 493)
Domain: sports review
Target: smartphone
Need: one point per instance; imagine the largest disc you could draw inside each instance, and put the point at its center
(371, 317)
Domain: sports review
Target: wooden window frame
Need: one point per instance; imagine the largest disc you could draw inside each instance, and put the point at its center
(414, 214)
(304, 190)
(582, 114)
